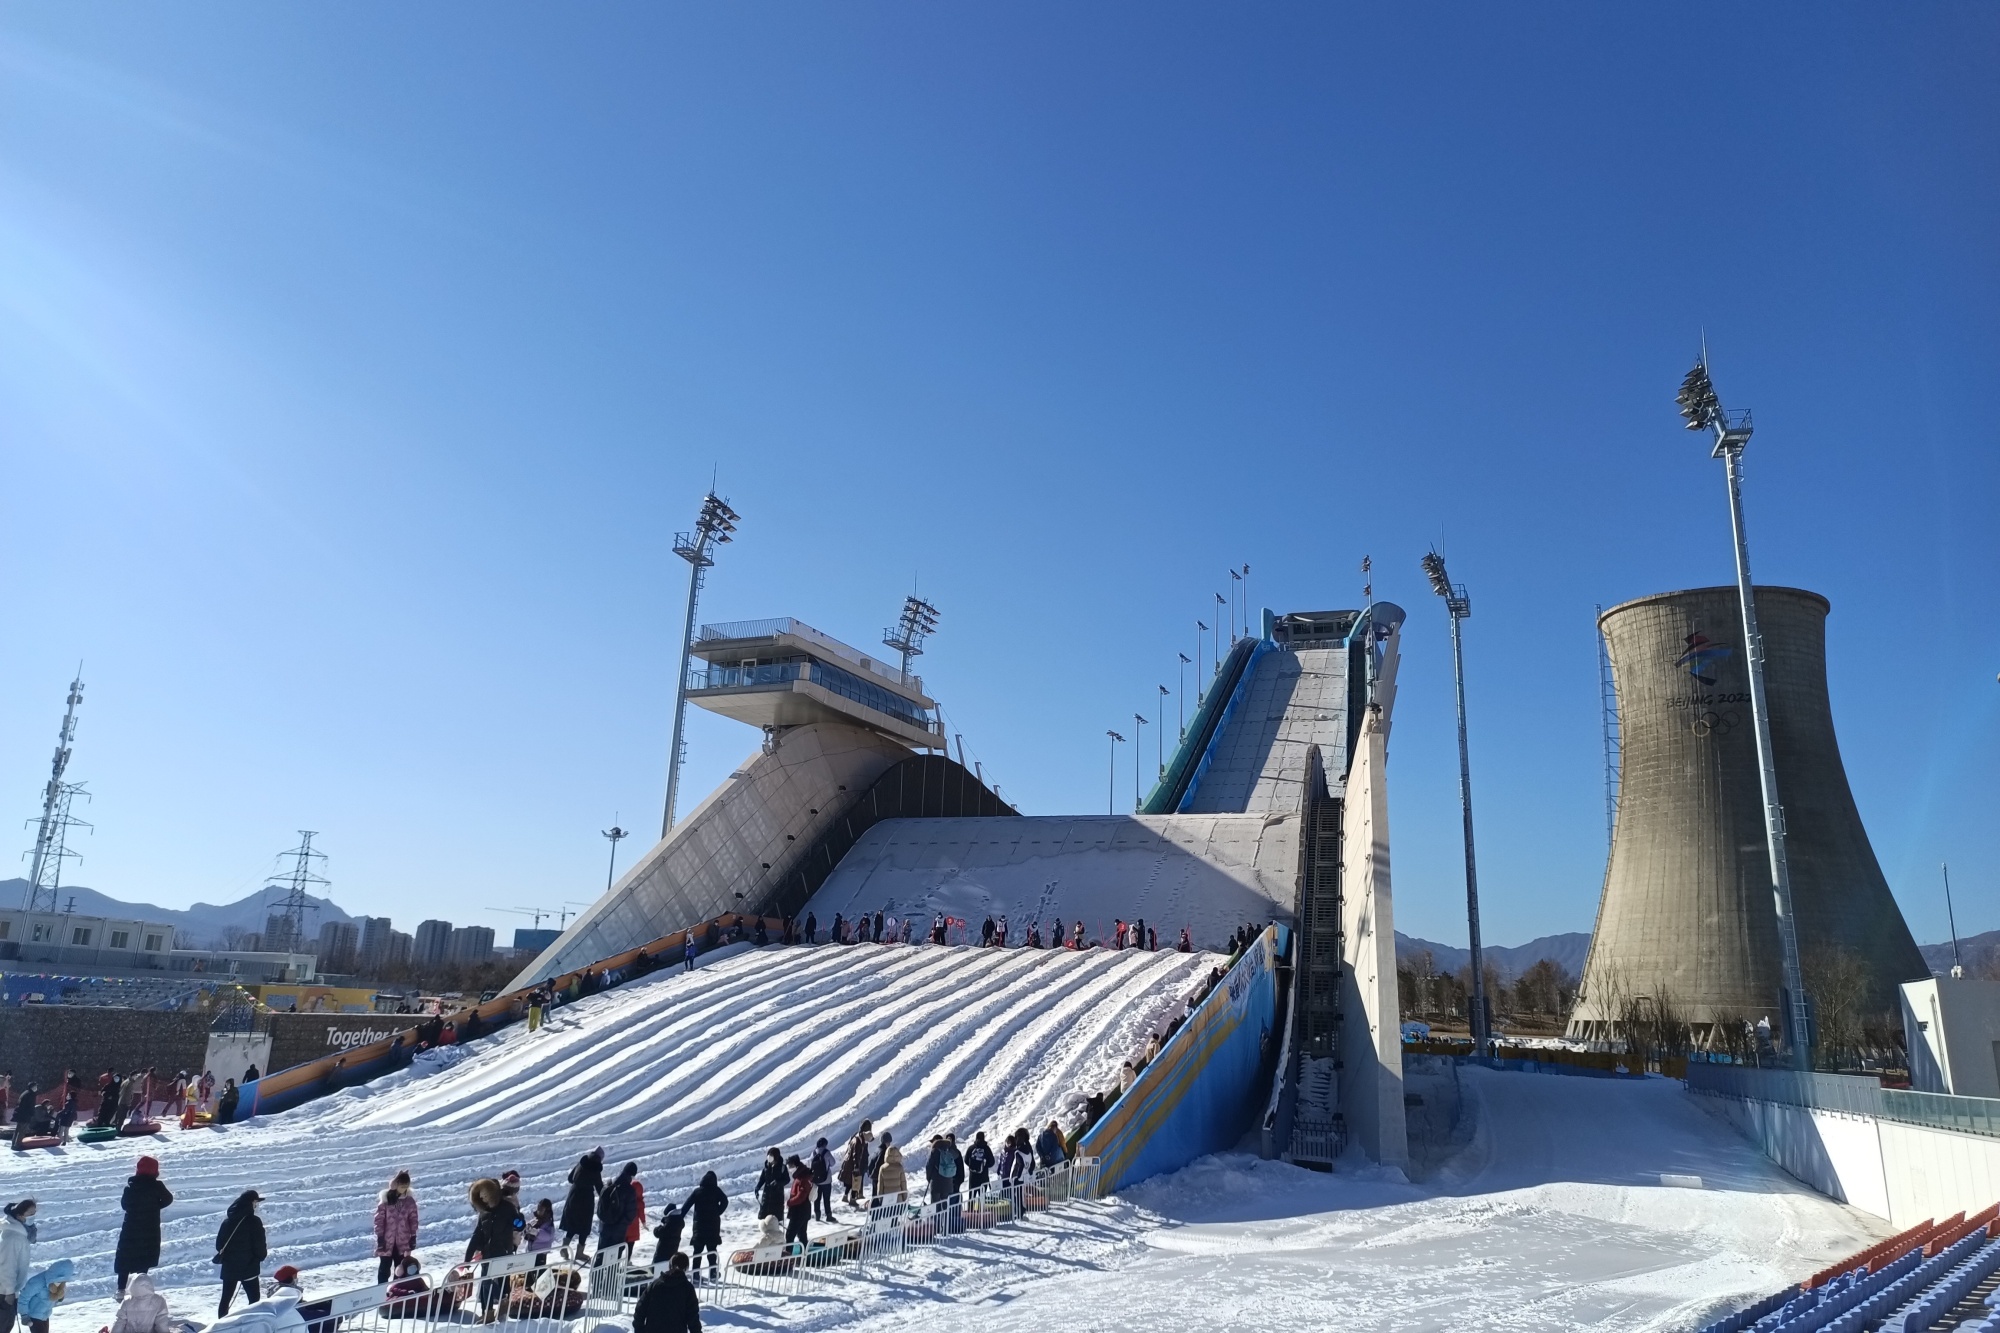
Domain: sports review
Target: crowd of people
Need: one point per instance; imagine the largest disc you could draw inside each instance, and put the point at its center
(791, 1191)
(881, 927)
(139, 1097)
(598, 1219)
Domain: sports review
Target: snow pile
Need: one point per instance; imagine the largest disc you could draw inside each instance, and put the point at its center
(678, 1072)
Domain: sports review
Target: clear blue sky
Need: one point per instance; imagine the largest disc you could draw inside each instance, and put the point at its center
(358, 363)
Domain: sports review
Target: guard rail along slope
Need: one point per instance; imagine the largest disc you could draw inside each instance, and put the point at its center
(1207, 1085)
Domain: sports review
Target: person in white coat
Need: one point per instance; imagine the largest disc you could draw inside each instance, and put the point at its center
(17, 1233)
(144, 1310)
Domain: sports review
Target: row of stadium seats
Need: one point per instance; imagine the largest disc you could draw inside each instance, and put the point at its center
(1901, 1285)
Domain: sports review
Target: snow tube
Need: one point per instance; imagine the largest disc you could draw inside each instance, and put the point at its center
(38, 1141)
(96, 1134)
(764, 1261)
(140, 1128)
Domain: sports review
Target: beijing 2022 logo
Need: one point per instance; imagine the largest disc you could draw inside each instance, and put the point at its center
(1701, 656)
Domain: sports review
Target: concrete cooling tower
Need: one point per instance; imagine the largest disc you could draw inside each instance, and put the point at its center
(1687, 914)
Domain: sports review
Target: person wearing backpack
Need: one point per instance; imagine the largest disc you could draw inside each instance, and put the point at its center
(822, 1166)
(798, 1205)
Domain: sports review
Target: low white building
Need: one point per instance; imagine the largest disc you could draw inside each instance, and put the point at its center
(72, 940)
(1951, 1026)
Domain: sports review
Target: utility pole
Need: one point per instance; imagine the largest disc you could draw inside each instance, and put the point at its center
(713, 527)
(1111, 796)
(1703, 412)
(48, 830)
(1459, 606)
(1957, 967)
(615, 834)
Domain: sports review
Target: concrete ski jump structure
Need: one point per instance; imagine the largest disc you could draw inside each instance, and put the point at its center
(840, 812)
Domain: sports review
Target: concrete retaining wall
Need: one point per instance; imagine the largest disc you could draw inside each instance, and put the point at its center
(1903, 1172)
(38, 1042)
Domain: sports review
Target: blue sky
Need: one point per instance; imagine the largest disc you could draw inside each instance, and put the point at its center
(358, 364)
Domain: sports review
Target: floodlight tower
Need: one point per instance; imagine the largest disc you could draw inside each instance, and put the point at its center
(1459, 606)
(1703, 411)
(918, 622)
(1111, 797)
(712, 528)
(54, 809)
(1139, 725)
(616, 835)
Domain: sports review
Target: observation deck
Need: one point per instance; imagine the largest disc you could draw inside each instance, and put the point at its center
(781, 672)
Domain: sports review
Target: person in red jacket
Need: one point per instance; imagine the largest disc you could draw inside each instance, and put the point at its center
(638, 1221)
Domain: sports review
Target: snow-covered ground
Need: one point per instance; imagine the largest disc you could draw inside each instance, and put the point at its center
(1542, 1201)
(1550, 1216)
(680, 1073)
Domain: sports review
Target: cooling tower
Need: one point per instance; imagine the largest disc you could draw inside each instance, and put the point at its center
(1687, 912)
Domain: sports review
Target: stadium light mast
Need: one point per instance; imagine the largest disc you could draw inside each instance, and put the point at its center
(1139, 724)
(1111, 796)
(712, 528)
(616, 835)
(1703, 411)
(918, 622)
(1460, 606)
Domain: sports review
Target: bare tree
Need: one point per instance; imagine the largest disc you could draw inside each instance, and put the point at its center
(1837, 981)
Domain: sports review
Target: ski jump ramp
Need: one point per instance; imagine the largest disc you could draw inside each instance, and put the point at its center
(840, 813)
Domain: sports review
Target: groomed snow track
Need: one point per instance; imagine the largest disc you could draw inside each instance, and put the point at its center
(678, 1072)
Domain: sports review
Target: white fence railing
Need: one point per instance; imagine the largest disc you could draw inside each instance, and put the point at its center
(548, 1293)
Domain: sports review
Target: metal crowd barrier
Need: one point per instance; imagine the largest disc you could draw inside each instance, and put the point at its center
(550, 1293)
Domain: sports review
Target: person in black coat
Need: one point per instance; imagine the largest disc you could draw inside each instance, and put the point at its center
(705, 1208)
(978, 1162)
(239, 1248)
(139, 1235)
(668, 1304)
(668, 1234)
(616, 1208)
(771, 1182)
(493, 1237)
(586, 1182)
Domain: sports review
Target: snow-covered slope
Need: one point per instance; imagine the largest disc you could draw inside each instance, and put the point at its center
(678, 1072)
(1207, 873)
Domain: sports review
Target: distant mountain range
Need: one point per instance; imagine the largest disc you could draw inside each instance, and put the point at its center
(204, 923)
(1565, 951)
(1979, 953)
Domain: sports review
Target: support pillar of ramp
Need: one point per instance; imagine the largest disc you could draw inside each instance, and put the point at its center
(1371, 1046)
